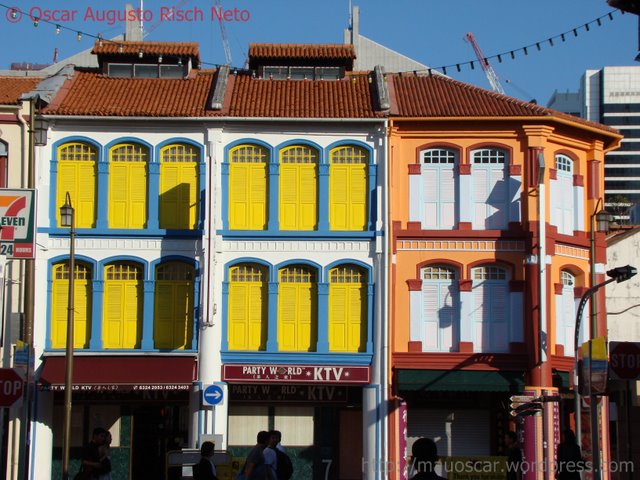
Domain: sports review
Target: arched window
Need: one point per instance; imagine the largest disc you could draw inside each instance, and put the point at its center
(128, 164)
(81, 305)
(248, 187)
(173, 322)
(179, 163)
(566, 315)
(563, 205)
(297, 309)
(347, 309)
(122, 312)
(439, 183)
(298, 188)
(77, 169)
(491, 309)
(348, 188)
(490, 189)
(247, 315)
(440, 329)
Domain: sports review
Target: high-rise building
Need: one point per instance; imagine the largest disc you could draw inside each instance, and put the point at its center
(611, 96)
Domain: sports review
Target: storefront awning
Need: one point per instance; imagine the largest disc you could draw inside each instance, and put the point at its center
(459, 381)
(120, 371)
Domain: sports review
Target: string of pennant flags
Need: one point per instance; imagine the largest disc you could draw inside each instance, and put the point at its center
(15, 14)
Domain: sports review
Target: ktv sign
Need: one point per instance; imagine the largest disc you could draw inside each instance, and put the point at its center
(17, 223)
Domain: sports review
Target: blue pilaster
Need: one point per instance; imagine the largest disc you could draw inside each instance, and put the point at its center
(370, 317)
(323, 318)
(153, 188)
(95, 343)
(147, 315)
(102, 222)
(323, 198)
(202, 194)
(373, 198)
(224, 340)
(272, 318)
(273, 223)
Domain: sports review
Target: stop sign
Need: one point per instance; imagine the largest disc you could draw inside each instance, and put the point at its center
(624, 360)
(11, 387)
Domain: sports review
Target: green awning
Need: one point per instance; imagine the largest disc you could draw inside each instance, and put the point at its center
(459, 381)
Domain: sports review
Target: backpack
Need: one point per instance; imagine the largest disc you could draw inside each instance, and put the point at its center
(285, 467)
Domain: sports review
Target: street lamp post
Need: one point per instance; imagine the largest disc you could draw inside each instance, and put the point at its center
(619, 274)
(67, 219)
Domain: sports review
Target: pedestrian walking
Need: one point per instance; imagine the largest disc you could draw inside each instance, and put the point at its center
(424, 456)
(514, 456)
(570, 462)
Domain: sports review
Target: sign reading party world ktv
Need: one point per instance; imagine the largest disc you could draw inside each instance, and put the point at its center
(17, 223)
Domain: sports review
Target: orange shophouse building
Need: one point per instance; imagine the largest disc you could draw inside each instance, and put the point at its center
(490, 205)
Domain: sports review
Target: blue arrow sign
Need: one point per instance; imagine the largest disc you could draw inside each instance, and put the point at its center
(212, 395)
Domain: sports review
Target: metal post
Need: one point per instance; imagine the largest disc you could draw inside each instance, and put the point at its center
(68, 374)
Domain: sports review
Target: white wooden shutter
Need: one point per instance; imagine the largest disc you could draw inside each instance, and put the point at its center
(566, 203)
(430, 196)
(481, 337)
(497, 199)
(447, 197)
(499, 317)
(480, 197)
(431, 306)
(569, 322)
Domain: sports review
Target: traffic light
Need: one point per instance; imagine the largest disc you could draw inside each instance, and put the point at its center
(622, 274)
(631, 6)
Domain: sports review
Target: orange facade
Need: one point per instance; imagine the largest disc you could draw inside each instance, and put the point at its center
(476, 284)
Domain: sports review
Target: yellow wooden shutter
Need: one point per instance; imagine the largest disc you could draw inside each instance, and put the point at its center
(247, 314)
(81, 306)
(338, 197)
(179, 186)
(239, 189)
(122, 317)
(308, 197)
(358, 202)
(128, 186)
(289, 193)
(77, 163)
(298, 188)
(173, 316)
(338, 313)
(297, 312)
(248, 187)
(258, 197)
(348, 188)
(137, 195)
(347, 310)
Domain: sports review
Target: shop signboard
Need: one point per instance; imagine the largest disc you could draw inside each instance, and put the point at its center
(320, 374)
(17, 223)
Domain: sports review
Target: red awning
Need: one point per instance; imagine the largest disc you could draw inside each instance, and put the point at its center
(120, 370)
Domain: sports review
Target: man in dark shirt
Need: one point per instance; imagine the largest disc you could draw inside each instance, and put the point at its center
(91, 464)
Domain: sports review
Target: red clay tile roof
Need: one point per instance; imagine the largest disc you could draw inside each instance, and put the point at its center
(440, 96)
(186, 49)
(348, 98)
(92, 93)
(11, 88)
(301, 51)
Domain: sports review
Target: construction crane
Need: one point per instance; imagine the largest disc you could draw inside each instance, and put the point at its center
(491, 74)
(223, 34)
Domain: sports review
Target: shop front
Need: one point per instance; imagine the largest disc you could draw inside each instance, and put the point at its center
(143, 402)
(318, 409)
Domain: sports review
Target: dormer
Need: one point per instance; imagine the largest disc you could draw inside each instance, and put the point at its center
(122, 59)
(279, 61)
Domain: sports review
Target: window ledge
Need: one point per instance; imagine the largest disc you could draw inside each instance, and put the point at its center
(315, 234)
(308, 358)
(120, 232)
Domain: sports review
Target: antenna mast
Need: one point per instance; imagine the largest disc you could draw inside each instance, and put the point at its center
(491, 74)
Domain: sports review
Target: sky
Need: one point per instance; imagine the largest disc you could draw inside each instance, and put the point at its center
(429, 31)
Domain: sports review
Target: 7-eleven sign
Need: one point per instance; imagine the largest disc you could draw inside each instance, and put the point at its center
(17, 223)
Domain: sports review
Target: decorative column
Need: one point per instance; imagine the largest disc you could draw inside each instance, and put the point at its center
(323, 318)
(272, 318)
(147, 315)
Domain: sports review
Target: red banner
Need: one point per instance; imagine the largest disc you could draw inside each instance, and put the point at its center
(296, 374)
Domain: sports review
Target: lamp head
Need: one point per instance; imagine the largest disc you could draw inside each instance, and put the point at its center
(66, 212)
(603, 220)
(622, 274)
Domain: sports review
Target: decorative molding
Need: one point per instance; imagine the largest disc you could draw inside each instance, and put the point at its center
(562, 250)
(294, 246)
(186, 247)
(460, 361)
(462, 245)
